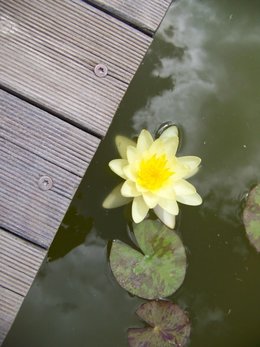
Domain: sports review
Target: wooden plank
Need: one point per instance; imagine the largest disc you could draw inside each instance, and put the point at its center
(146, 15)
(49, 50)
(33, 144)
(19, 263)
(46, 136)
(10, 303)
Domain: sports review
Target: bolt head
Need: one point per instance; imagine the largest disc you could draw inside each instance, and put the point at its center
(100, 70)
(45, 183)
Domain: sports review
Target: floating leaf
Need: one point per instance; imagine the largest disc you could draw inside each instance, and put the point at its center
(251, 217)
(157, 272)
(168, 326)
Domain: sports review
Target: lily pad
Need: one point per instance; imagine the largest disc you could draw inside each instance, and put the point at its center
(156, 272)
(168, 326)
(251, 217)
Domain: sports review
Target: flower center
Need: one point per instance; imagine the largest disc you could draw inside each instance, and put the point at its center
(153, 172)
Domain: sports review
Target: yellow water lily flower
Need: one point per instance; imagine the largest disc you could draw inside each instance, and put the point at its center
(154, 178)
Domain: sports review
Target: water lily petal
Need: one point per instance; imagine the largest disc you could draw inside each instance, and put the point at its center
(179, 170)
(115, 198)
(168, 146)
(129, 189)
(157, 147)
(167, 192)
(169, 206)
(172, 131)
(191, 173)
(171, 145)
(132, 154)
(139, 209)
(117, 165)
(191, 163)
(167, 218)
(144, 141)
(129, 172)
(150, 199)
(141, 189)
(122, 143)
(193, 200)
(183, 187)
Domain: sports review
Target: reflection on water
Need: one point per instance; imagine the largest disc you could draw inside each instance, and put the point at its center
(212, 88)
(203, 73)
(73, 234)
(190, 71)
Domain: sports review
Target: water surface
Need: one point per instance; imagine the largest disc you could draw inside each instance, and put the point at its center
(202, 72)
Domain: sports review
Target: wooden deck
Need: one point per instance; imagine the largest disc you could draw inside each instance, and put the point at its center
(54, 110)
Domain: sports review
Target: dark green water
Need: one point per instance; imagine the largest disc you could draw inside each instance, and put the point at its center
(203, 72)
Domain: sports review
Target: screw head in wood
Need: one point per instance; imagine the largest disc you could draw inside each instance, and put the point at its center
(100, 70)
(45, 183)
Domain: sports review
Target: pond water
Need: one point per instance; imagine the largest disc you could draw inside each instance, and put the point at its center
(202, 72)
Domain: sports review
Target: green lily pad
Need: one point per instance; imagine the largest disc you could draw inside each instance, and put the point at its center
(251, 217)
(168, 326)
(156, 272)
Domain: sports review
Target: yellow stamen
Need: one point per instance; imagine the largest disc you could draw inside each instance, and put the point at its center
(153, 172)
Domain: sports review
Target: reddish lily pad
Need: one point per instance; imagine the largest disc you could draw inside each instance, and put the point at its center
(156, 272)
(168, 326)
(251, 217)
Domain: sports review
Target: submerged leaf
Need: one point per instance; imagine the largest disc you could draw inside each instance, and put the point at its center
(157, 272)
(169, 326)
(251, 217)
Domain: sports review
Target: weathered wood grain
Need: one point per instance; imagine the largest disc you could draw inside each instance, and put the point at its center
(50, 48)
(10, 303)
(19, 263)
(146, 15)
(46, 136)
(33, 144)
